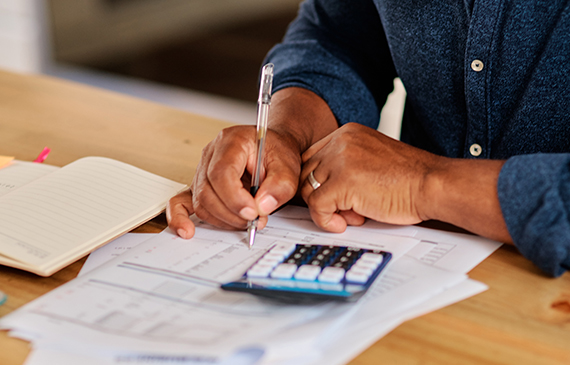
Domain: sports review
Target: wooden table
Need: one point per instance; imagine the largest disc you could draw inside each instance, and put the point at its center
(524, 318)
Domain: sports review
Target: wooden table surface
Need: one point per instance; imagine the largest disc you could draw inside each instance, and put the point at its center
(524, 318)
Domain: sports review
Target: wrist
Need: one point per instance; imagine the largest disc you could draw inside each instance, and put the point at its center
(300, 117)
(463, 192)
(433, 189)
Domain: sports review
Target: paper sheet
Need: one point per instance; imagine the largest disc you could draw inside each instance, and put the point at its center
(450, 251)
(348, 342)
(151, 288)
(163, 295)
(113, 249)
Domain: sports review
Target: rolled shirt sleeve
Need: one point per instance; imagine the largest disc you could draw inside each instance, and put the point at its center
(534, 193)
(338, 50)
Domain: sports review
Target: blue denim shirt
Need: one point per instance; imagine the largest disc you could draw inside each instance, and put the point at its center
(495, 73)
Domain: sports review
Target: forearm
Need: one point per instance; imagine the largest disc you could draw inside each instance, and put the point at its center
(301, 117)
(464, 193)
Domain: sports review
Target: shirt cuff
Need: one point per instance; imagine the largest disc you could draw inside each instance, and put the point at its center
(534, 194)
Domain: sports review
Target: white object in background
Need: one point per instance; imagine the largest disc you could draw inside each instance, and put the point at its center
(24, 35)
(391, 115)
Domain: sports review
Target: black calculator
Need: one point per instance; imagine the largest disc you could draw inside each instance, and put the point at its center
(307, 272)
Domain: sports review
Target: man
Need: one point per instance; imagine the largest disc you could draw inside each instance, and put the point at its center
(486, 132)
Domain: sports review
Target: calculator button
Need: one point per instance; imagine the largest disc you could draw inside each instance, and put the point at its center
(366, 264)
(275, 256)
(284, 249)
(372, 257)
(284, 271)
(357, 275)
(308, 272)
(364, 269)
(259, 271)
(331, 275)
(270, 262)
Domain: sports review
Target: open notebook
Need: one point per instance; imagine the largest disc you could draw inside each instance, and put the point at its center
(51, 217)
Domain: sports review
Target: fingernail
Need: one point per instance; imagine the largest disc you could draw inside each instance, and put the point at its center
(267, 204)
(248, 213)
(181, 233)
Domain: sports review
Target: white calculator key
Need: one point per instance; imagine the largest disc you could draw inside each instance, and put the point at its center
(372, 257)
(284, 271)
(274, 256)
(270, 262)
(259, 271)
(331, 275)
(364, 269)
(284, 248)
(357, 276)
(308, 272)
(366, 264)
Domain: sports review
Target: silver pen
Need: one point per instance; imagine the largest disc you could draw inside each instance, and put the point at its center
(263, 103)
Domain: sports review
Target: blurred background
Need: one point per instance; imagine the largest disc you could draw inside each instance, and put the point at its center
(201, 56)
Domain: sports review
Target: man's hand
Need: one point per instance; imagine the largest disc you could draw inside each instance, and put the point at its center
(364, 173)
(219, 193)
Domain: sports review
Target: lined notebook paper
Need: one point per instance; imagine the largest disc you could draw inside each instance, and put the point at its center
(19, 173)
(56, 219)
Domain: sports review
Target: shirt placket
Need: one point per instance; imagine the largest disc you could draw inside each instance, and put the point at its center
(477, 68)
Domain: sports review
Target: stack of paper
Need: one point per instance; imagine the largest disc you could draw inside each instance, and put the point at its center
(159, 302)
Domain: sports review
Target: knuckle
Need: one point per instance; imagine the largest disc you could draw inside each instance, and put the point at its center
(313, 200)
(289, 188)
(216, 172)
(234, 132)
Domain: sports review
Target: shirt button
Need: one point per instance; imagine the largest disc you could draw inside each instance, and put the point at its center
(477, 65)
(475, 150)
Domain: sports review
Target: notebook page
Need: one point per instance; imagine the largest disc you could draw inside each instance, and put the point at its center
(85, 200)
(19, 173)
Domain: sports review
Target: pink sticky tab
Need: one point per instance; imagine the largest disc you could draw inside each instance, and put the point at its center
(43, 155)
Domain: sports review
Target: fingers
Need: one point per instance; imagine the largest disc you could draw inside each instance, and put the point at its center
(281, 180)
(322, 206)
(331, 208)
(211, 208)
(178, 211)
(319, 145)
(352, 218)
(221, 187)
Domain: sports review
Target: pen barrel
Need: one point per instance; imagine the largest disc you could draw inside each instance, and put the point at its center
(259, 167)
(263, 104)
(253, 190)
